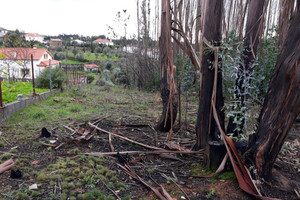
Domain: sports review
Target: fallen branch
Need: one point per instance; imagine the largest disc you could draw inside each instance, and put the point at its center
(6, 165)
(142, 152)
(168, 178)
(163, 195)
(125, 138)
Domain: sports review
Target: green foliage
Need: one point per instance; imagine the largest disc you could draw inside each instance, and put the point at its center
(80, 57)
(211, 193)
(10, 90)
(15, 40)
(90, 79)
(267, 59)
(105, 79)
(189, 78)
(108, 65)
(59, 56)
(58, 77)
(75, 51)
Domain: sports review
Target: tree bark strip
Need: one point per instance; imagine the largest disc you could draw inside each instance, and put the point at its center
(281, 105)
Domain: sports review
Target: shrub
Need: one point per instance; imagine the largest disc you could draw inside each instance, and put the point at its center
(108, 65)
(58, 77)
(106, 50)
(80, 57)
(59, 56)
(90, 79)
(74, 51)
(98, 50)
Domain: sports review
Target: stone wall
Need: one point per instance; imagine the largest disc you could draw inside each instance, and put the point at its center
(10, 108)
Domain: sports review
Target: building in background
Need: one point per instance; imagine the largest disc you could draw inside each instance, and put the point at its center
(103, 42)
(54, 43)
(16, 62)
(34, 37)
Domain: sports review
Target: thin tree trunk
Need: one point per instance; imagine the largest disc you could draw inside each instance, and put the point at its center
(281, 105)
(212, 32)
(167, 84)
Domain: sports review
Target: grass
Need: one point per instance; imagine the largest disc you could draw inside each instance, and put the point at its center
(79, 176)
(10, 90)
(91, 56)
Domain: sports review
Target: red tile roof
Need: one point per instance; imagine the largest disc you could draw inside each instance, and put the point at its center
(101, 41)
(46, 63)
(91, 66)
(32, 35)
(23, 53)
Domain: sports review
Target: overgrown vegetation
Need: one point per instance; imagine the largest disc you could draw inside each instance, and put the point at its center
(58, 77)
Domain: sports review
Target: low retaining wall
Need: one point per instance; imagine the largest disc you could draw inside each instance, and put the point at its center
(10, 108)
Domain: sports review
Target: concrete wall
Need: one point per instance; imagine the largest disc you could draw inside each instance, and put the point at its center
(15, 106)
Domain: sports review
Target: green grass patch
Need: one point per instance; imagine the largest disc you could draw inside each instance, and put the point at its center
(10, 90)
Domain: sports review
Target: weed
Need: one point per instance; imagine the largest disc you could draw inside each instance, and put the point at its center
(5, 157)
(42, 176)
(22, 195)
(2, 144)
(210, 194)
(89, 181)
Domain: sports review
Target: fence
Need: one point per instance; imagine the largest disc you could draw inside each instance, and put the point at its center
(74, 77)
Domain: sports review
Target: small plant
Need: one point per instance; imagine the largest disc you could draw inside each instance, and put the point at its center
(89, 182)
(210, 194)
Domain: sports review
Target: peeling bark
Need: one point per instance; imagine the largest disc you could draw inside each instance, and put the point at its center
(281, 105)
(206, 125)
(167, 85)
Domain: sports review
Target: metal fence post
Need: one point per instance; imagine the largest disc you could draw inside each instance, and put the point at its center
(1, 102)
(50, 80)
(32, 72)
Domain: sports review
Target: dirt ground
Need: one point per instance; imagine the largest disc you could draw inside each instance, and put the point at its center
(62, 170)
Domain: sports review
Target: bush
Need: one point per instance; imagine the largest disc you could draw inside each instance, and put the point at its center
(59, 56)
(74, 51)
(98, 50)
(106, 50)
(105, 79)
(58, 77)
(108, 65)
(80, 57)
(90, 79)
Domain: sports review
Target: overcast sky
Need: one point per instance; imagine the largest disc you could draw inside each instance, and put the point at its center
(53, 17)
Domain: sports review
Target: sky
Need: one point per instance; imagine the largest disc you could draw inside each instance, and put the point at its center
(53, 17)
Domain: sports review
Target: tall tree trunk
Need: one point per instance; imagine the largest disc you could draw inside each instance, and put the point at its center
(198, 24)
(205, 125)
(253, 32)
(281, 105)
(167, 85)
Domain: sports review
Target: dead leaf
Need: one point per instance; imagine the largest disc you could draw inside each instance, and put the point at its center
(35, 162)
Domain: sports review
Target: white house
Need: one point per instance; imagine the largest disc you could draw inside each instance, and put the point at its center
(3, 32)
(130, 48)
(104, 42)
(16, 62)
(34, 37)
(79, 41)
(91, 68)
